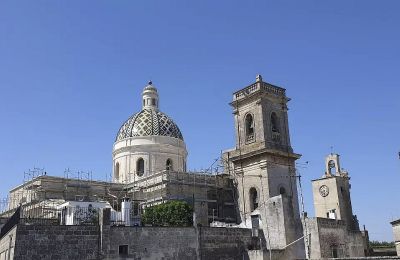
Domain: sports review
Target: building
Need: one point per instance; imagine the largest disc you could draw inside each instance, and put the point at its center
(396, 233)
(262, 165)
(255, 195)
(334, 231)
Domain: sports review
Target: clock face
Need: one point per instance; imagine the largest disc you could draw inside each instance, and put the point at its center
(324, 190)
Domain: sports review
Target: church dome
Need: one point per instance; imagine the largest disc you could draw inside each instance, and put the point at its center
(149, 122)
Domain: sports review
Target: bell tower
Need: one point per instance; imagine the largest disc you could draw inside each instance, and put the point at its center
(332, 193)
(262, 164)
(261, 116)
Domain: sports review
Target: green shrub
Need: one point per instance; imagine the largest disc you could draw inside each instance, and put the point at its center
(172, 213)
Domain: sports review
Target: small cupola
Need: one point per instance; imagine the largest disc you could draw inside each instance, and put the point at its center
(150, 97)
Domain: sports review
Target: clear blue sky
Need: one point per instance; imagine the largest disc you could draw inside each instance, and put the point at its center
(71, 72)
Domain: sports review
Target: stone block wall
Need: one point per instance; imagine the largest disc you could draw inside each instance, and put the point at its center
(105, 242)
(225, 243)
(177, 243)
(327, 234)
(56, 242)
(149, 243)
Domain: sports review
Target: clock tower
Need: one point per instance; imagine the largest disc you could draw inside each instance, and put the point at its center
(332, 194)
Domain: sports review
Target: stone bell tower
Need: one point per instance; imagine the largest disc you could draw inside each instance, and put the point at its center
(262, 163)
(332, 193)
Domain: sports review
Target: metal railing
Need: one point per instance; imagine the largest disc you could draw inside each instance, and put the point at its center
(53, 216)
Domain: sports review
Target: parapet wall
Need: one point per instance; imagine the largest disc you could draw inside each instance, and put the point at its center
(56, 242)
(105, 242)
(177, 243)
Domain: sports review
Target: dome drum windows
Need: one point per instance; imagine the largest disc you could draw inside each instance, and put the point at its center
(275, 129)
(249, 128)
(116, 171)
(140, 167)
(168, 165)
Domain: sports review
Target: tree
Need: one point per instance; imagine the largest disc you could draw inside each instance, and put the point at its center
(377, 244)
(172, 213)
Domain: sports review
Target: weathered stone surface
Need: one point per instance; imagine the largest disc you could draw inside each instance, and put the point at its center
(88, 242)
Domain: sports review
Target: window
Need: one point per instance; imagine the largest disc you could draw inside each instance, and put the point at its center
(249, 124)
(274, 123)
(140, 167)
(282, 191)
(116, 171)
(153, 101)
(168, 165)
(144, 102)
(334, 250)
(136, 208)
(123, 250)
(253, 199)
(331, 214)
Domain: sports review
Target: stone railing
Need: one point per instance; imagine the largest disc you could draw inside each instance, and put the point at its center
(273, 89)
(255, 87)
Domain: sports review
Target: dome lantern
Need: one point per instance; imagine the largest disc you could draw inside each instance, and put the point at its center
(150, 97)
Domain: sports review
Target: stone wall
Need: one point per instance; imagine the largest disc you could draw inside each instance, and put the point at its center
(396, 234)
(91, 242)
(225, 243)
(7, 244)
(106, 242)
(176, 243)
(56, 242)
(327, 235)
(149, 243)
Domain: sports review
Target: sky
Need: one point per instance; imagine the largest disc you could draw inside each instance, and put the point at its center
(71, 72)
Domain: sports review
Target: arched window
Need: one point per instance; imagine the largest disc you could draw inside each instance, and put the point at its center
(168, 165)
(140, 167)
(282, 191)
(274, 123)
(116, 171)
(249, 124)
(253, 199)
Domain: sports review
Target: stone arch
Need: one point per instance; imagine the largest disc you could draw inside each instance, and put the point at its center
(249, 127)
(282, 190)
(332, 168)
(275, 123)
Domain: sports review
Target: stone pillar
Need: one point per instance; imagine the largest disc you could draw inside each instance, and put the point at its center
(104, 223)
